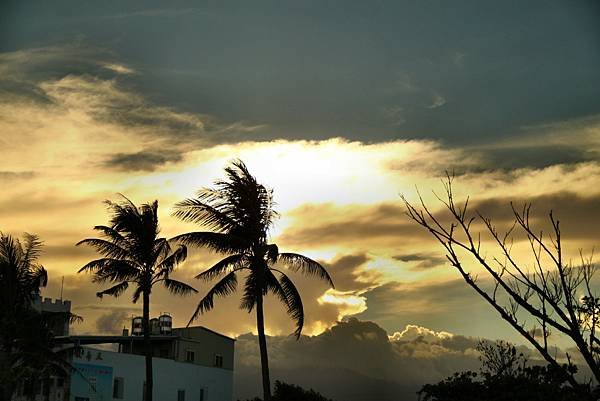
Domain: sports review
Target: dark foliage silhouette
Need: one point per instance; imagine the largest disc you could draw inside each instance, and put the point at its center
(134, 254)
(240, 213)
(544, 294)
(291, 392)
(505, 376)
(27, 351)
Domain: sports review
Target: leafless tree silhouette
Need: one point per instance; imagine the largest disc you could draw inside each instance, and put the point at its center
(553, 295)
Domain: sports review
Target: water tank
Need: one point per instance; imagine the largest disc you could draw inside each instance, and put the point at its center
(136, 326)
(154, 329)
(165, 323)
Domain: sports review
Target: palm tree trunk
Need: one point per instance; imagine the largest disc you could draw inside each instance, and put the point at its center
(262, 343)
(147, 346)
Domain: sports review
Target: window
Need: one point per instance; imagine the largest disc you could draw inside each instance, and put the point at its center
(118, 387)
(180, 395)
(218, 360)
(60, 382)
(203, 394)
(189, 356)
(82, 399)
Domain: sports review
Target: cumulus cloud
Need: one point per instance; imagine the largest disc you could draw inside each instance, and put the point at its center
(355, 361)
(112, 322)
(412, 333)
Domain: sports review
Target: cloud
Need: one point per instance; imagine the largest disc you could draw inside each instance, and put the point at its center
(119, 68)
(161, 12)
(89, 134)
(145, 160)
(423, 260)
(348, 302)
(355, 361)
(412, 333)
(87, 91)
(437, 101)
(16, 175)
(112, 322)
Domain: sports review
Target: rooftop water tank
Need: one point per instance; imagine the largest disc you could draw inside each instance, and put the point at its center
(165, 323)
(154, 329)
(136, 326)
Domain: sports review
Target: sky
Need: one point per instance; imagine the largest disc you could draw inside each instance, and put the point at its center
(340, 107)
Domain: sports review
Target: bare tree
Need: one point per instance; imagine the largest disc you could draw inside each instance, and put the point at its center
(545, 295)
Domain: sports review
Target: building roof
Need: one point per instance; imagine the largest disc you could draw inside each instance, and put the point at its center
(99, 339)
(175, 329)
(86, 340)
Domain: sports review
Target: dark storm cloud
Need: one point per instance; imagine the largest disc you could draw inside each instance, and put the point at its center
(146, 160)
(351, 225)
(447, 305)
(458, 71)
(533, 156)
(91, 81)
(574, 211)
(422, 260)
(23, 70)
(387, 224)
(344, 270)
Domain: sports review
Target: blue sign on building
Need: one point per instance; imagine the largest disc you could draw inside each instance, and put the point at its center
(91, 383)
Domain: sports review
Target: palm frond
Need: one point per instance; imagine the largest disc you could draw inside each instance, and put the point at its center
(287, 292)
(115, 290)
(107, 248)
(38, 276)
(160, 249)
(304, 265)
(200, 212)
(178, 288)
(222, 266)
(170, 262)
(251, 292)
(112, 235)
(110, 269)
(31, 248)
(137, 293)
(224, 287)
(218, 242)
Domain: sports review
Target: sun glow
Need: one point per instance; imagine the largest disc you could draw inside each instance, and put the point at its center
(348, 302)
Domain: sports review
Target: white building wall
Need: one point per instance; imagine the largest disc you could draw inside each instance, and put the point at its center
(169, 377)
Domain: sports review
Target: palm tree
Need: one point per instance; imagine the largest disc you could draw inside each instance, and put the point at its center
(21, 277)
(133, 253)
(27, 348)
(240, 212)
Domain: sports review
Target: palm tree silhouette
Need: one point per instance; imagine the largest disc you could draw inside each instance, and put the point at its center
(26, 335)
(21, 278)
(133, 253)
(240, 212)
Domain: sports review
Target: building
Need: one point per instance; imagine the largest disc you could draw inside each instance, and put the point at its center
(189, 364)
(57, 306)
(53, 388)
